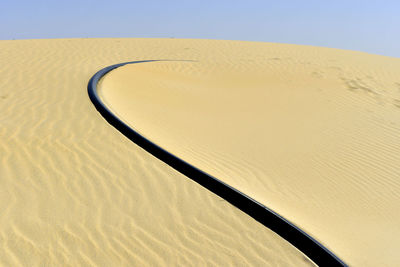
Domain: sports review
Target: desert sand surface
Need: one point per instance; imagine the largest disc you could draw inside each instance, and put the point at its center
(312, 133)
(76, 192)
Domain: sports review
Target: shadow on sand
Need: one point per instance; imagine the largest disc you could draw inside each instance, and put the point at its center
(294, 235)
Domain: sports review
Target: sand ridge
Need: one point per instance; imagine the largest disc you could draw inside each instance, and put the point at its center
(310, 132)
(75, 192)
(270, 219)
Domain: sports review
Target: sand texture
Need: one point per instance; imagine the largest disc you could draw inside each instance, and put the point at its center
(312, 133)
(76, 192)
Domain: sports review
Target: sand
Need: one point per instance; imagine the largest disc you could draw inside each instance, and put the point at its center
(76, 192)
(312, 133)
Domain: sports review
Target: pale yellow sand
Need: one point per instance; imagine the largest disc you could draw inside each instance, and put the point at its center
(313, 133)
(76, 192)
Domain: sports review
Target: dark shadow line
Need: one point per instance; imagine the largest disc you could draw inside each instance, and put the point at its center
(284, 228)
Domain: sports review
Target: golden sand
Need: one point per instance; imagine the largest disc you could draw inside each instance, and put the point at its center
(312, 133)
(76, 192)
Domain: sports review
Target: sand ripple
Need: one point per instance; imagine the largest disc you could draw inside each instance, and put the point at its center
(75, 192)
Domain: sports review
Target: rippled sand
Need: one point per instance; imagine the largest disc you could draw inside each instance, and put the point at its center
(312, 133)
(76, 192)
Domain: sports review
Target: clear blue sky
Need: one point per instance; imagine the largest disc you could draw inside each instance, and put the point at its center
(370, 25)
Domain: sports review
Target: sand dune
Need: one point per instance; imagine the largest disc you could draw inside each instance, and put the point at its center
(312, 133)
(75, 192)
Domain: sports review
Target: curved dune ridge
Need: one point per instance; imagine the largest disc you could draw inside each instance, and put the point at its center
(75, 192)
(301, 240)
(310, 132)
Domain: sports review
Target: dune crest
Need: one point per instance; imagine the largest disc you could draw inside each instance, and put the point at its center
(310, 132)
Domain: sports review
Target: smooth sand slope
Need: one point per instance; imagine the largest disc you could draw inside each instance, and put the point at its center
(312, 133)
(76, 192)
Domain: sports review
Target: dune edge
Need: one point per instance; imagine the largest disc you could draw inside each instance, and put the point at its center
(284, 228)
